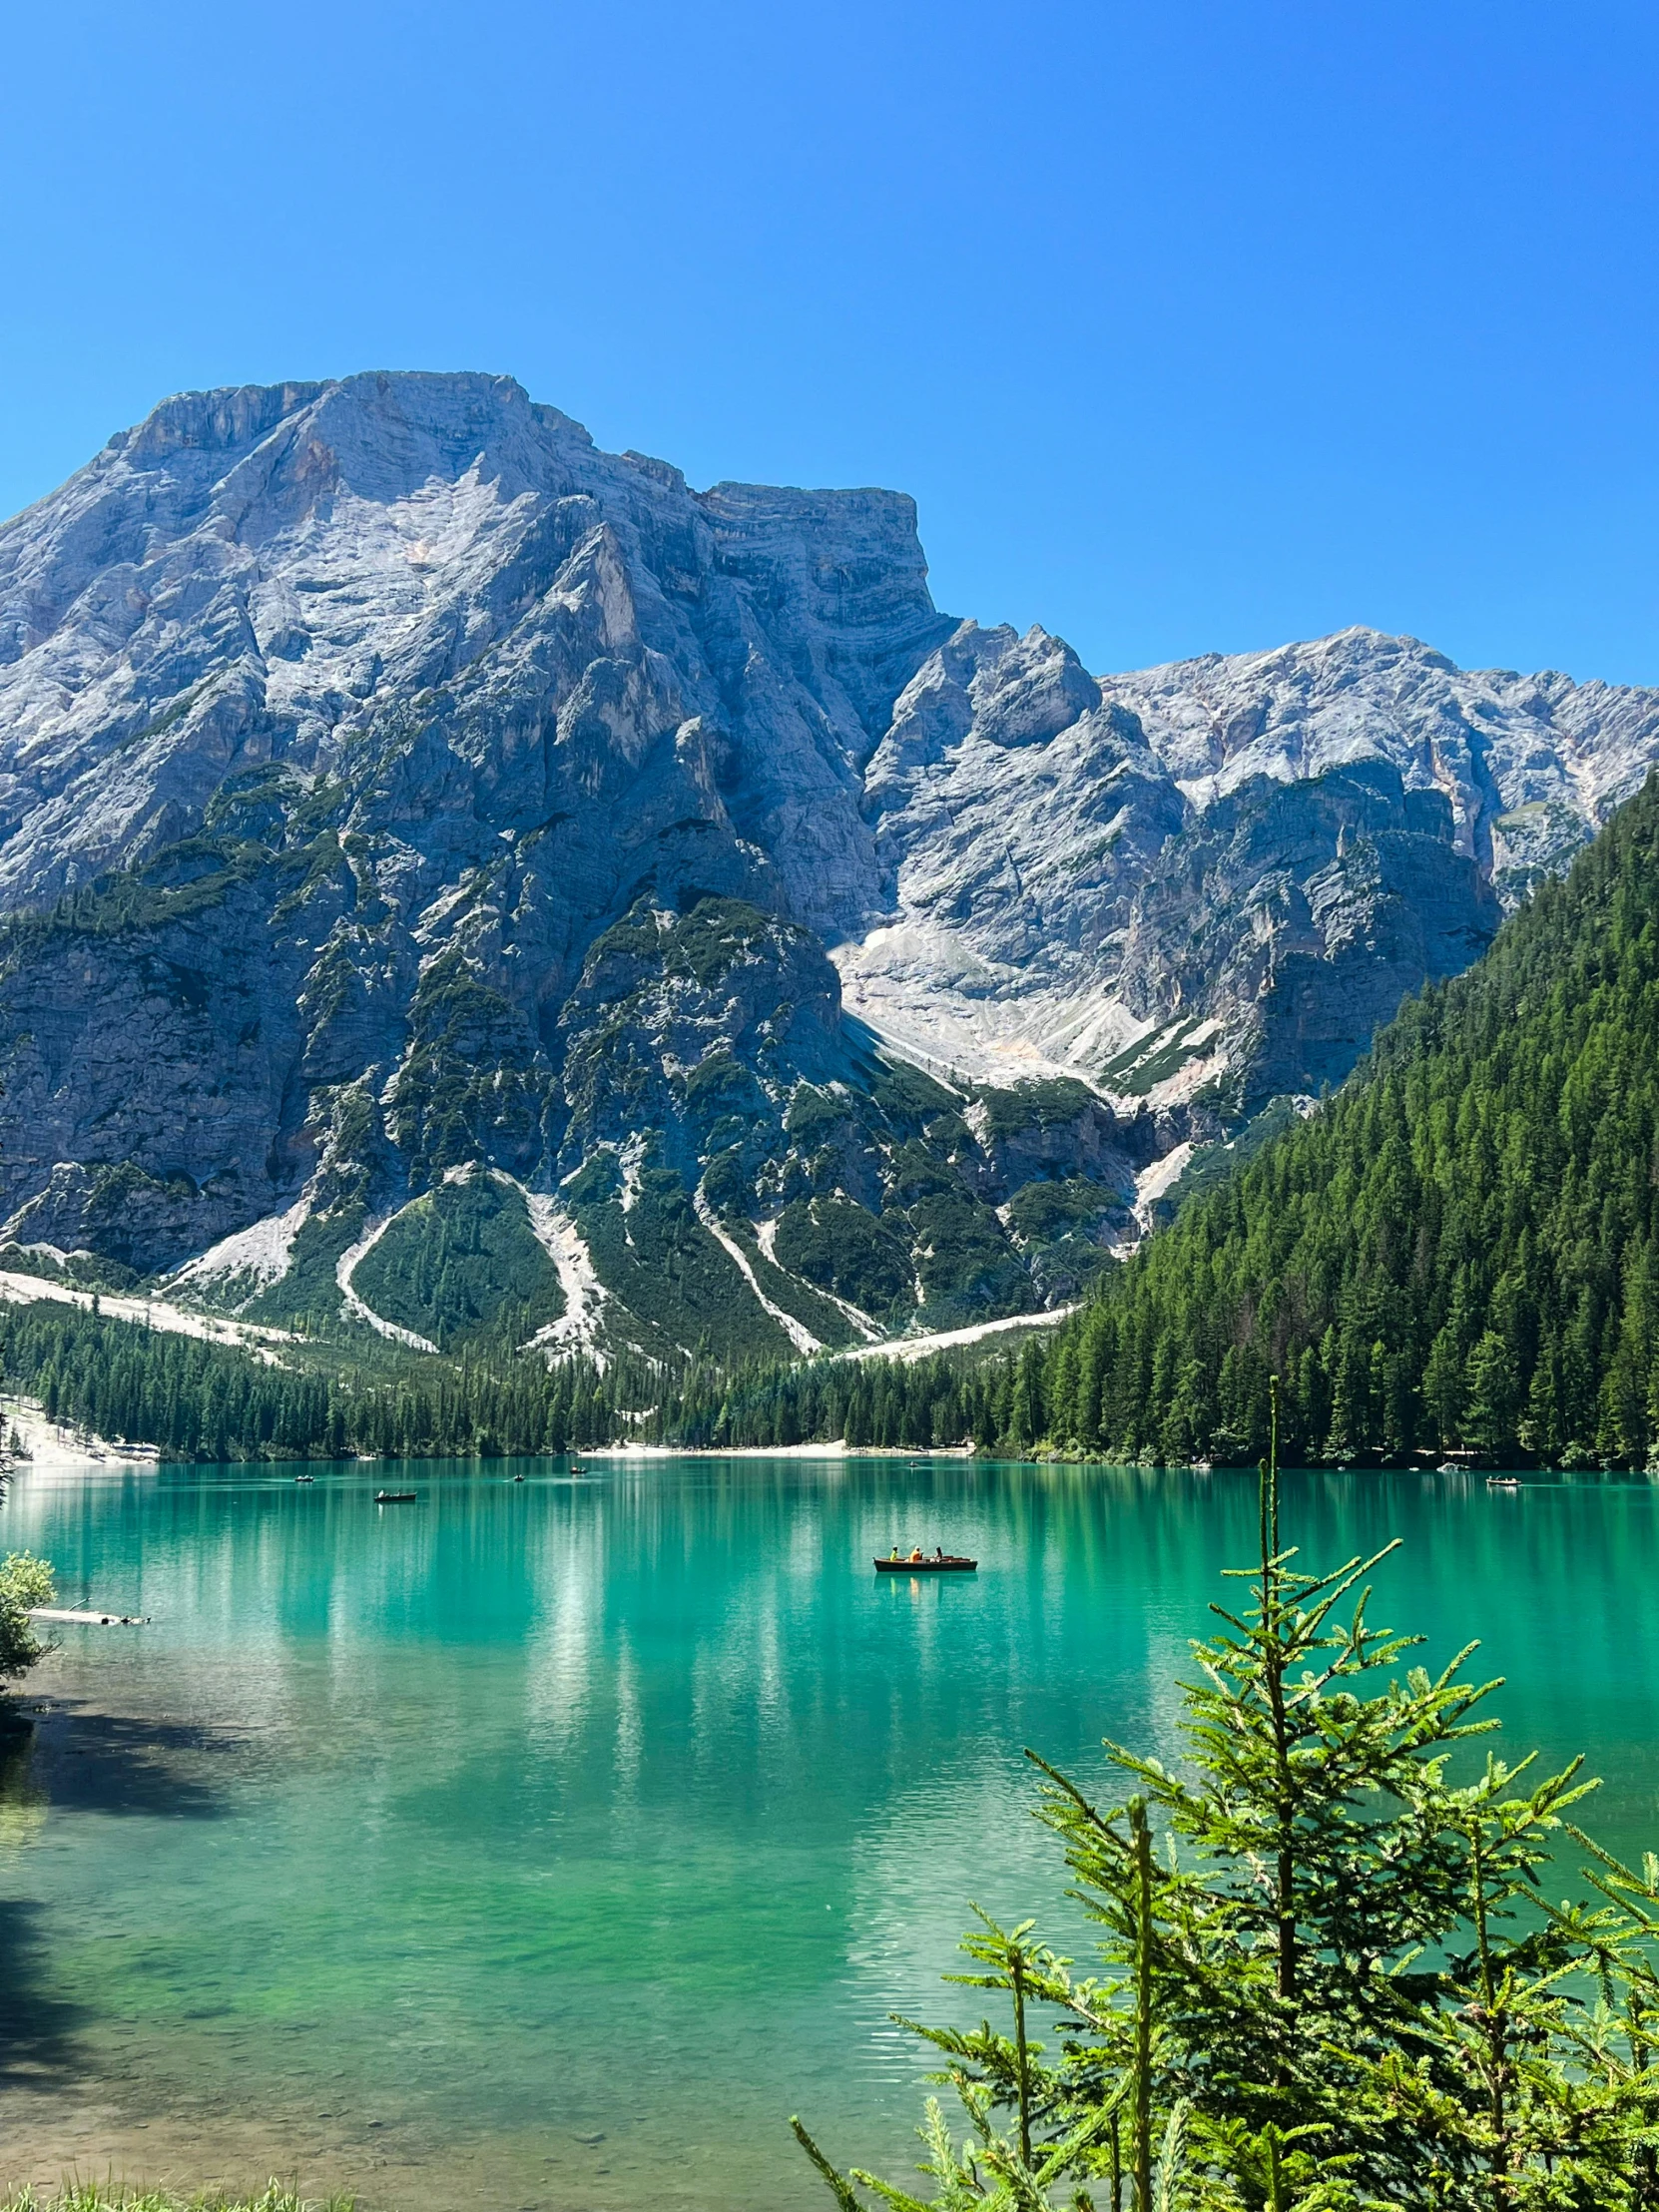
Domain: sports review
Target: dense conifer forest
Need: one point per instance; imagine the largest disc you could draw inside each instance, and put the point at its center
(199, 1401)
(202, 1400)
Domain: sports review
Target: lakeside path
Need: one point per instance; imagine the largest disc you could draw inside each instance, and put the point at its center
(54, 1449)
(153, 1313)
(909, 1349)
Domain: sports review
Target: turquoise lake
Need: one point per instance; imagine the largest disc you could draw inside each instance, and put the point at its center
(548, 1844)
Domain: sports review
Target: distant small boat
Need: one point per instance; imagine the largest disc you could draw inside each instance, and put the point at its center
(305, 1479)
(394, 1497)
(1504, 1483)
(518, 1478)
(942, 1562)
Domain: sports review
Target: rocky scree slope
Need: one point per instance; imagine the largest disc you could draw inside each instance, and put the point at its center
(463, 881)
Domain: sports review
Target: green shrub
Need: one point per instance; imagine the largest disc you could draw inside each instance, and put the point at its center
(1034, 1106)
(964, 1260)
(727, 1186)
(714, 937)
(474, 1086)
(904, 1094)
(815, 1116)
(1041, 1211)
(25, 1582)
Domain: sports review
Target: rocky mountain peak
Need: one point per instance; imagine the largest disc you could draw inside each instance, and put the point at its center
(396, 787)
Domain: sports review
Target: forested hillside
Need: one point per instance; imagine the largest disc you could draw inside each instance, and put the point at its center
(199, 1401)
(1456, 1252)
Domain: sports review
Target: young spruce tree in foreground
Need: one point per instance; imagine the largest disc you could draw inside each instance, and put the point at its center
(1331, 1976)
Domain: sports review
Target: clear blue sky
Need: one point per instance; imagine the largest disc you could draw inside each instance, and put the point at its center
(1191, 327)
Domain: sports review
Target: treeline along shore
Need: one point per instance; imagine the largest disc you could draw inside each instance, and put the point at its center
(199, 1401)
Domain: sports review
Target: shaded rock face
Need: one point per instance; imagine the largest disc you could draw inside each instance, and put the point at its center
(1297, 916)
(392, 785)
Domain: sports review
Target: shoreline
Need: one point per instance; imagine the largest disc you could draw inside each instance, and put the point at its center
(838, 1450)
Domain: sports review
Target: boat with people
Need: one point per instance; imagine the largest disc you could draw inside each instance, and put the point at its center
(394, 1497)
(922, 1562)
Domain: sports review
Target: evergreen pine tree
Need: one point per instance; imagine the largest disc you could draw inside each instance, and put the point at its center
(1334, 1982)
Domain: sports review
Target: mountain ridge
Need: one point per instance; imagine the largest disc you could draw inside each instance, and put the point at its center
(395, 788)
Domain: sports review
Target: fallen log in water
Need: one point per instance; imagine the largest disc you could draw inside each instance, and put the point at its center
(97, 1620)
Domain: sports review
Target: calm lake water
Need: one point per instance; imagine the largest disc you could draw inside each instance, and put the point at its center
(549, 1844)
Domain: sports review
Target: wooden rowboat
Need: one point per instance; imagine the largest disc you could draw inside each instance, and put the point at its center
(394, 1497)
(940, 1564)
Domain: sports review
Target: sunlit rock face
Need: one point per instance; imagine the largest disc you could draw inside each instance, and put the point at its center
(1066, 859)
(392, 785)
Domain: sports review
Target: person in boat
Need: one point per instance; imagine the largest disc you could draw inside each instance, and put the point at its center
(915, 1555)
(894, 1554)
(938, 1551)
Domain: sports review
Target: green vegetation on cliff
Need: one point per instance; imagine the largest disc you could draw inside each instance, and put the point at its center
(461, 1264)
(1459, 1251)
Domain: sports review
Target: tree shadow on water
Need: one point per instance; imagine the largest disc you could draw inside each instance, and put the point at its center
(71, 1758)
(36, 2028)
(77, 1759)
(80, 1759)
